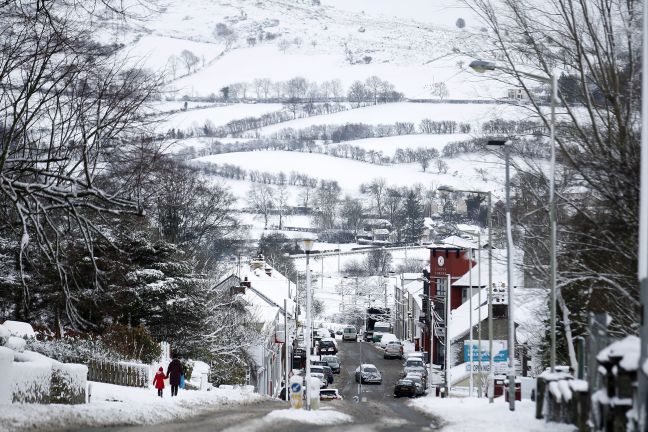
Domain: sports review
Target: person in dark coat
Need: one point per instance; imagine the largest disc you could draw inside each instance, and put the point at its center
(173, 373)
(158, 381)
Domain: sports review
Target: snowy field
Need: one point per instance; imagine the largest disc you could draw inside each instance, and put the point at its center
(112, 405)
(218, 116)
(351, 174)
(389, 145)
(475, 114)
(473, 414)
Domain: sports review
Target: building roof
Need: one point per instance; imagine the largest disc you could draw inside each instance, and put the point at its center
(500, 275)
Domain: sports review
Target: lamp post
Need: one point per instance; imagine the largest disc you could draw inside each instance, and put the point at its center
(552, 79)
(491, 375)
(643, 235)
(509, 274)
(307, 245)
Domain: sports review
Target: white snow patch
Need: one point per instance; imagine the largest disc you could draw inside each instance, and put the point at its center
(472, 414)
(318, 417)
(19, 328)
(117, 405)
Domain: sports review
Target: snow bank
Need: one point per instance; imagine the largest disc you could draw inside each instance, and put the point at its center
(484, 416)
(15, 343)
(318, 417)
(6, 360)
(112, 405)
(20, 329)
(4, 334)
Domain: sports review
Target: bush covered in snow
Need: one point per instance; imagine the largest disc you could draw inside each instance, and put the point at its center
(118, 343)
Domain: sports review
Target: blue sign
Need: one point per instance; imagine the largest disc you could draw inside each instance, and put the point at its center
(500, 351)
(295, 387)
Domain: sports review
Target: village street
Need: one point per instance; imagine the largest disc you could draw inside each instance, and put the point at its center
(378, 411)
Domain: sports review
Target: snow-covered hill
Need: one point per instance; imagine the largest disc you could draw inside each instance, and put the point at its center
(411, 46)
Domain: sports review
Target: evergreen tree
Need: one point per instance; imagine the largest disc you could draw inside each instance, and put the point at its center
(413, 216)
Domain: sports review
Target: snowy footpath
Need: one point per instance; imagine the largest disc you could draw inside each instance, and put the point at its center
(112, 405)
(472, 414)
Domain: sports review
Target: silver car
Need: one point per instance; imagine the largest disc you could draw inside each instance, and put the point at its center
(368, 373)
(414, 365)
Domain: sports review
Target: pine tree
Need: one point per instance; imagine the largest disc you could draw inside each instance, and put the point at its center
(413, 215)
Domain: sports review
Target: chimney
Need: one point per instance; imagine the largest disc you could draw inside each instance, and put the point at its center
(237, 290)
(268, 271)
(246, 283)
(258, 262)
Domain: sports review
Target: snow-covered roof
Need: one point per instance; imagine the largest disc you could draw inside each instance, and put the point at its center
(499, 270)
(457, 242)
(268, 292)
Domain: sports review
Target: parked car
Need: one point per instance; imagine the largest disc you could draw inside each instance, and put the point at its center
(368, 373)
(419, 381)
(386, 338)
(320, 376)
(328, 373)
(339, 332)
(349, 333)
(415, 354)
(405, 387)
(393, 349)
(414, 365)
(330, 394)
(327, 346)
(333, 362)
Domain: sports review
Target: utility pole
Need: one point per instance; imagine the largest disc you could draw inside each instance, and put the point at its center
(447, 337)
(643, 235)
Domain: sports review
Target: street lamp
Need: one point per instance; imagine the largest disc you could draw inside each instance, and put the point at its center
(491, 376)
(307, 245)
(509, 274)
(482, 66)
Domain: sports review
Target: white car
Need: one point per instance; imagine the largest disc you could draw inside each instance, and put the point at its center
(321, 378)
(386, 338)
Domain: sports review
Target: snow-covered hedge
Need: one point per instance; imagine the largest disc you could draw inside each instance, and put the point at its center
(30, 377)
(68, 384)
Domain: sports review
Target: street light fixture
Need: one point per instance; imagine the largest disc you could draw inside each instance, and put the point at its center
(307, 246)
(482, 66)
(491, 376)
(509, 274)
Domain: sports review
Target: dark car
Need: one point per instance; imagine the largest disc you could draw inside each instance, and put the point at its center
(327, 347)
(419, 381)
(328, 373)
(333, 362)
(405, 387)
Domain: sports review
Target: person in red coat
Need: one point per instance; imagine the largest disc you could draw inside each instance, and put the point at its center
(173, 373)
(158, 381)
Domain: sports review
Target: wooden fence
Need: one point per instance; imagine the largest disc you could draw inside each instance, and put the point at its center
(124, 374)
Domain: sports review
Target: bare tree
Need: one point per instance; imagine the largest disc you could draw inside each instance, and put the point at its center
(596, 47)
(261, 198)
(189, 59)
(374, 85)
(377, 190)
(68, 111)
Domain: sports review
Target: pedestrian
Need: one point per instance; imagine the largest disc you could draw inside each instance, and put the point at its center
(158, 381)
(173, 373)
